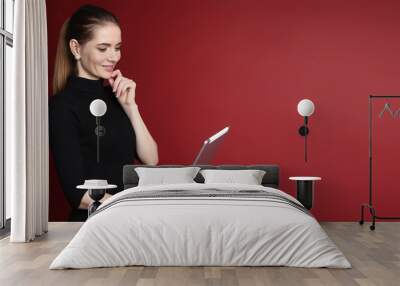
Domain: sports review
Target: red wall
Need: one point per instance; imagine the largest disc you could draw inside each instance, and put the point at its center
(203, 64)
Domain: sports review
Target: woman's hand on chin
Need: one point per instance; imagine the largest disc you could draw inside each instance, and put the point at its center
(124, 89)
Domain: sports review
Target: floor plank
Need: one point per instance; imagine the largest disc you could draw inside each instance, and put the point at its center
(375, 257)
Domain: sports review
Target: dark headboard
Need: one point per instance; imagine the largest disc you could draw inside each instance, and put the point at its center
(271, 177)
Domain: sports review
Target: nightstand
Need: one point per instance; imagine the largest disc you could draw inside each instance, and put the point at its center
(96, 190)
(305, 190)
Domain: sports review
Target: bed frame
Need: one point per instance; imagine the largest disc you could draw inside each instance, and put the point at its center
(270, 179)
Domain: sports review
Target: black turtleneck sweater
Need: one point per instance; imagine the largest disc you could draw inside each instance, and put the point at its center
(73, 141)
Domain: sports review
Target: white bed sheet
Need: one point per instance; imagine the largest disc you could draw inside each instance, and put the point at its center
(200, 231)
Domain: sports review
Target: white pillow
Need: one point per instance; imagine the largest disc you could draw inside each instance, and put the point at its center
(161, 176)
(249, 177)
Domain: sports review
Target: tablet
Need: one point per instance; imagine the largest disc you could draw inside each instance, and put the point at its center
(209, 148)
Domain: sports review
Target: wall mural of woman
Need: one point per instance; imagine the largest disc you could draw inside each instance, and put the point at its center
(88, 51)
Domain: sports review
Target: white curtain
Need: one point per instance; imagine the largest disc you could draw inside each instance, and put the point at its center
(27, 171)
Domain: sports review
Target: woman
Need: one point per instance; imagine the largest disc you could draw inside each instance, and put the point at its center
(88, 50)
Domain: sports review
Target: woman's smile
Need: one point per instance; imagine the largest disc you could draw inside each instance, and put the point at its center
(108, 68)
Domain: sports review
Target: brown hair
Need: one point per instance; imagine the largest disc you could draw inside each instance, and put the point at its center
(79, 26)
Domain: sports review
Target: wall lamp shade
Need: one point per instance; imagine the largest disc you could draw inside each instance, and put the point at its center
(305, 108)
(98, 108)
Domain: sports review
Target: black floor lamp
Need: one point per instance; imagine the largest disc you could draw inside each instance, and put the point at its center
(369, 205)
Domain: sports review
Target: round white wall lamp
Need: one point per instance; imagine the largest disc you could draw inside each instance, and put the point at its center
(305, 108)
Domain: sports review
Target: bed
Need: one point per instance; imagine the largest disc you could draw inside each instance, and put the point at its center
(201, 224)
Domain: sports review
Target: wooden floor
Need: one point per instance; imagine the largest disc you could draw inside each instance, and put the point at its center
(375, 257)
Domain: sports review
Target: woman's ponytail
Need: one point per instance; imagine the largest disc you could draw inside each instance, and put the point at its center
(64, 64)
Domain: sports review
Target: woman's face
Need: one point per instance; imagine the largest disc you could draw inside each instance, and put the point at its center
(97, 58)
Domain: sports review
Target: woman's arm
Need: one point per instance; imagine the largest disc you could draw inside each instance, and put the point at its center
(125, 91)
(65, 147)
(146, 146)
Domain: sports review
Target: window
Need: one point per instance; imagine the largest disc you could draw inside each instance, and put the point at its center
(9, 63)
(6, 64)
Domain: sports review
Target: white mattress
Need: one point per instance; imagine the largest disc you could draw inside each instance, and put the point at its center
(200, 231)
